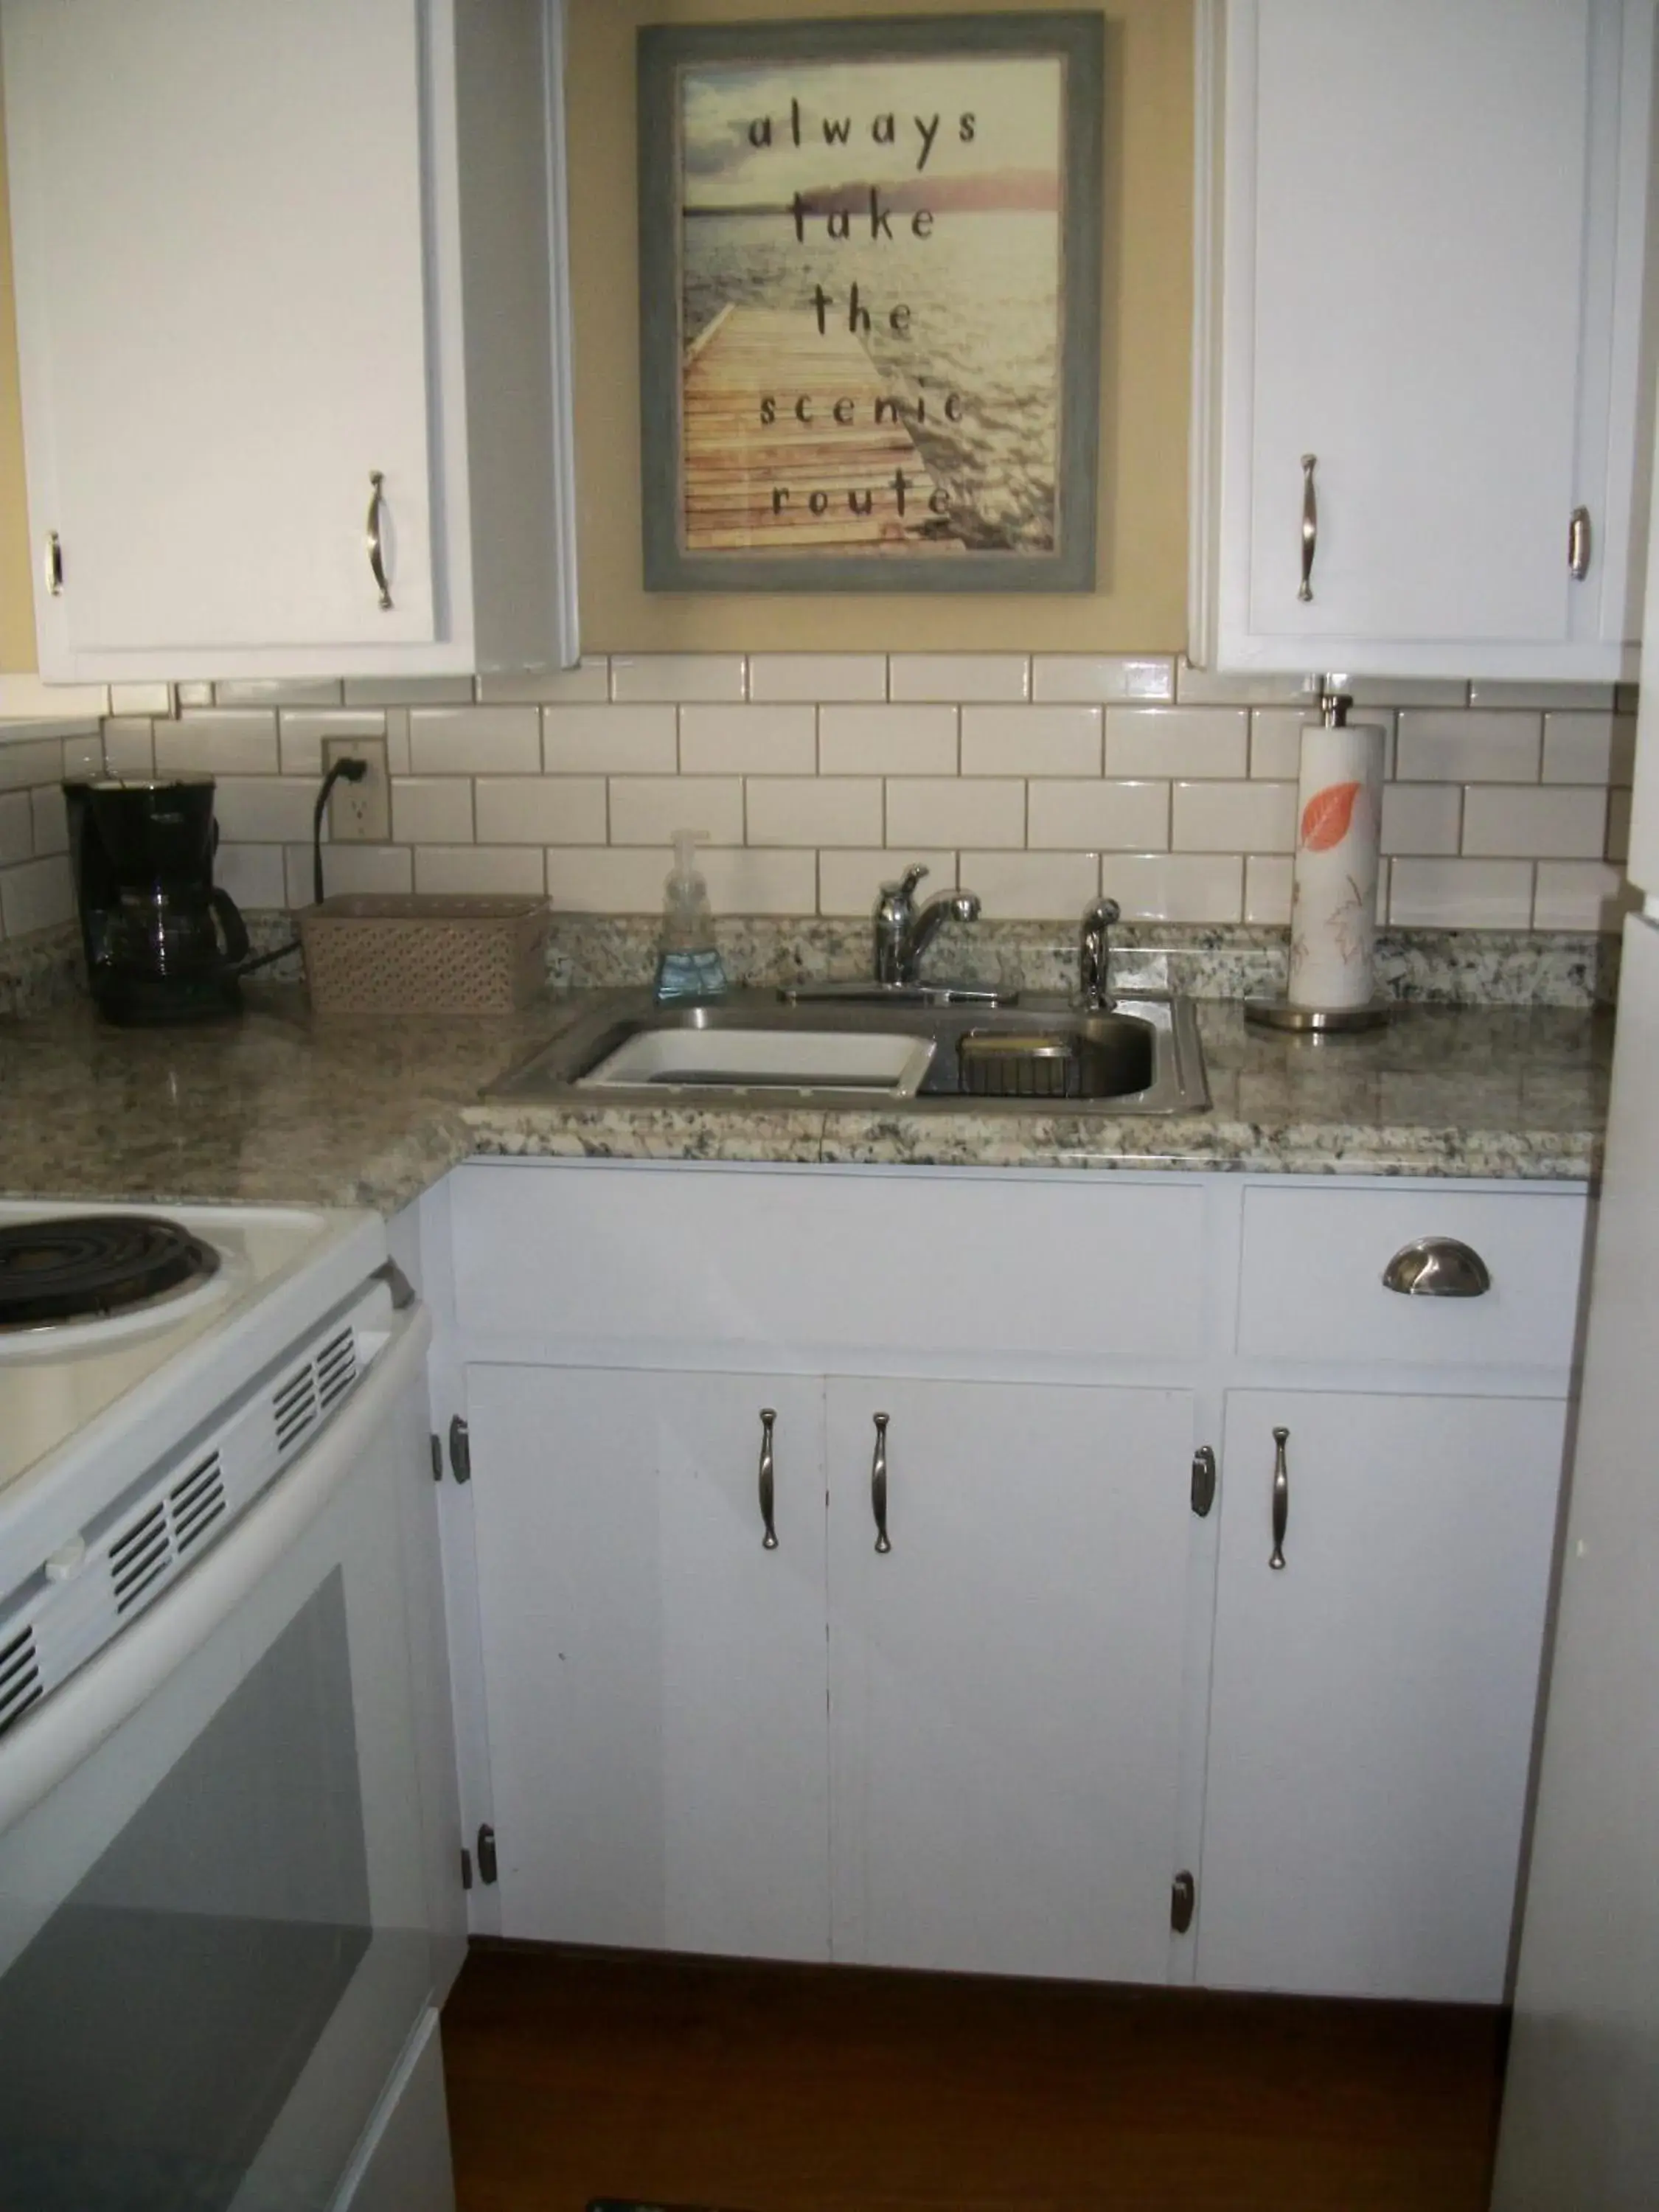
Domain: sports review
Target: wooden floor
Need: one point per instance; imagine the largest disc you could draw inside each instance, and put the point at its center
(735, 461)
(805, 2090)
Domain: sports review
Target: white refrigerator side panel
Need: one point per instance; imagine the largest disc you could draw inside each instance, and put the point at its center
(1580, 2115)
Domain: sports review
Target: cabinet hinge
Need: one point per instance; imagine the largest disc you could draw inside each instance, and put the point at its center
(466, 1867)
(460, 1450)
(1203, 1481)
(437, 1442)
(487, 1855)
(1184, 1902)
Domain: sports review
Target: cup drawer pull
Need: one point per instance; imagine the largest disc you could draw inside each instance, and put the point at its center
(1438, 1267)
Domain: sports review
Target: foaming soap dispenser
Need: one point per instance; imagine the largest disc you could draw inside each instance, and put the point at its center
(688, 964)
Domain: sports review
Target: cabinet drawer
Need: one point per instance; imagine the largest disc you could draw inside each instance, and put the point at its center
(827, 1265)
(1312, 1286)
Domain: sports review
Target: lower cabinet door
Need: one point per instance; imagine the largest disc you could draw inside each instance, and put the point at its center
(1372, 1705)
(1005, 1679)
(655, 1674)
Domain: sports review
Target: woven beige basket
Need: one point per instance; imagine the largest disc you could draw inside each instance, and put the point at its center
(374, 955)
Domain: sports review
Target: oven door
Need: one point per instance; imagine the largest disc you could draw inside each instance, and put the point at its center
(215, 1933)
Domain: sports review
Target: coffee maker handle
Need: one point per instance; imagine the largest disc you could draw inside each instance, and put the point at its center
(237, 946)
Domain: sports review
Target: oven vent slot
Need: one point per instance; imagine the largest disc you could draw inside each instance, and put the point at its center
(294, 1407)
(142, 1554)
(20, 1677)
(336, 1368)
(197, 1502)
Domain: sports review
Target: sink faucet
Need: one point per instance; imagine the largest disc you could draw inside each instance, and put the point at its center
(903, 932)
(1094, 955)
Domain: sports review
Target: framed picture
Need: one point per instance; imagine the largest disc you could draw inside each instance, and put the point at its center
(870, 303)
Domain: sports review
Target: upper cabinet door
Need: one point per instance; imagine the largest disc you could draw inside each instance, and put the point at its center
(1421, 335)
(221, 289)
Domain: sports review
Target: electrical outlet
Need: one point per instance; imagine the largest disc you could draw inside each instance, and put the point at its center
(359, 813)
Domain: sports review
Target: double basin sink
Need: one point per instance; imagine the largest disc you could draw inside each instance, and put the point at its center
(917, 1047)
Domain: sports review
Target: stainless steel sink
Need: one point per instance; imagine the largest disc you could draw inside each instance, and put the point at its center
(1041, 1055)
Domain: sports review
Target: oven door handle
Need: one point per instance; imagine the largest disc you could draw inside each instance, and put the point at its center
(68, 1726)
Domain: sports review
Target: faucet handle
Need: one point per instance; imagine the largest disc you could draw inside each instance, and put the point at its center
(1104, 914)
(1095, 980)
(903, 893)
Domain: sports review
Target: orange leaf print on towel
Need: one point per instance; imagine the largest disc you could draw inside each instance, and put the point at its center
(1326, 817)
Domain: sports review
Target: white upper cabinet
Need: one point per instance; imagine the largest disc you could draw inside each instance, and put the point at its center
(287, 298)
(1421, 249)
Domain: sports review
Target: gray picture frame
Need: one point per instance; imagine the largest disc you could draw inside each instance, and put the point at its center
(664, 53)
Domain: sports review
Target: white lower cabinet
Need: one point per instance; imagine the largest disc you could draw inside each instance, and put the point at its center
(1005, 1683)
(994, 1743)
(655, 1678)
(1372, 1707)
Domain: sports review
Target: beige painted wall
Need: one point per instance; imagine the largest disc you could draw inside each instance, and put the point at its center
(17, 607)
(1141, 603)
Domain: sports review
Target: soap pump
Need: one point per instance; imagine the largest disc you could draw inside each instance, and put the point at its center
(688, 964)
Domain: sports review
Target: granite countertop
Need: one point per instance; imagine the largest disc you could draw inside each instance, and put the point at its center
(284, 1108)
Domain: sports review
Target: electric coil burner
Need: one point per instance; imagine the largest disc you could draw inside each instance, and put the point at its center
(79, 1267)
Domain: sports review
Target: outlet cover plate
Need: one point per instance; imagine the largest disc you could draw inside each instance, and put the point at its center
(359, 813)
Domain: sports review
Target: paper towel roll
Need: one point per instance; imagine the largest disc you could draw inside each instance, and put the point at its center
(1334, 886)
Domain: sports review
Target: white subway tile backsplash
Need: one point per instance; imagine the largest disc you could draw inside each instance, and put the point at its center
(408, 691)
(655, 677)
(1424, 818)
(1171, 741)
(1422, 691)
(1276, 741)
(36, 895)
(192, 694)
(887, 740)
(1031, 741)
(1530, 822)
(1174, 886)
(254, 875)
(264, 810)
(236, 743)
(850, 882)
(812, 677)
(1233, 818)
(610, 741)
(1033, 886)
(540, 809)
(751, 882)
(607, 879)
(149, 699)
(1590, 748)
(17, 828)
(374, 870)
(971, 811)
(647, 810)
(1460, 894)
(84, 756)
(277, 691)
(1101, 678)
(301, 731)
(129, 748)
(31, 761)
(51, 819)
(475, 741)
(1209, 687)
(432, 810)
(586, 684)
(817, 810)
(1580, 894)
(959, 677)
(487, 870)
(1618, 844)
(1444, 747)
(1267, 889)
(772, 740)
(1546, 698)
(1096, 816)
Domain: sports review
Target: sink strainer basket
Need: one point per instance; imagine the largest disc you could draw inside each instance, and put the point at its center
(1029, 1066)
(423, 955)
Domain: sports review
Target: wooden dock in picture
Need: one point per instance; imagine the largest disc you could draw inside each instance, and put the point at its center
(836, 478)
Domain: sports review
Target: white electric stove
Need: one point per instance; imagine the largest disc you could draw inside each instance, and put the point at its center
(228, 1828)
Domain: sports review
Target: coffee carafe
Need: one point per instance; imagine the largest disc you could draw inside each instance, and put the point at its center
(163, 943)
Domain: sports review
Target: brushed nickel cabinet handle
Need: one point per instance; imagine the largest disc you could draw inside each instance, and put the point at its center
(1281, 1498)
(1438, 1267)
(769, 1540)
(52, 564)
(879, 1484)
(374, 535)
(1578, 544)
(1310, 524)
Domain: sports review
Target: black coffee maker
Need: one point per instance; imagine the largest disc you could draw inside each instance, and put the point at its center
(163, 943)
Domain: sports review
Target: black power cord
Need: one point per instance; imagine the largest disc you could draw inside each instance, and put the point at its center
(353, 771)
